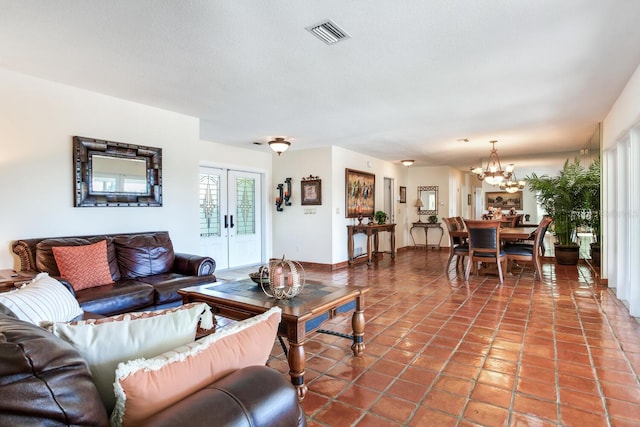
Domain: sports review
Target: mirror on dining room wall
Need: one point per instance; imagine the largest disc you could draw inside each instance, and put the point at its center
(109, 173)
(428, 195)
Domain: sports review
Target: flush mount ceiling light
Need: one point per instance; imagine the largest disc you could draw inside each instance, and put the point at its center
(279, 145)
(493, 174)
(407, 162)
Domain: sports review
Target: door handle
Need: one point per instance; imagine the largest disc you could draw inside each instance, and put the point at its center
(231, 221)
(226, 224)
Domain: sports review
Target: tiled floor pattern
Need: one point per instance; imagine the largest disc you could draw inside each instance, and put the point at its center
(442, 352)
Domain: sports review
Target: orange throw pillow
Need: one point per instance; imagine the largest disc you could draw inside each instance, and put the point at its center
(84, 266)
(144, 387)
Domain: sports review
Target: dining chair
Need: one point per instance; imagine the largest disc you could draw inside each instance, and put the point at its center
(529, 252)
(460, 222)
(484, 245)
(457, 245)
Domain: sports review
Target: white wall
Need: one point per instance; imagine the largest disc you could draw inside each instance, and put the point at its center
(624, 114)
(302, 233)
(342, 159)
(38, 119)
(618, 134)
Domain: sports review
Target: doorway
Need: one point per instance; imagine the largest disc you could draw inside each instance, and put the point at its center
(230, 219)
(387, 205)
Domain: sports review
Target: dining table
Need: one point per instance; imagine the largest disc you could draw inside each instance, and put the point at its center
(506, 233)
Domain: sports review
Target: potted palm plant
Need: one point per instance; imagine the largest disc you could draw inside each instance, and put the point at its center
(566, 197)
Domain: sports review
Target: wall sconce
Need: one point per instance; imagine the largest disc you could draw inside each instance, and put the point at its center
(279, 198)
(287, 192)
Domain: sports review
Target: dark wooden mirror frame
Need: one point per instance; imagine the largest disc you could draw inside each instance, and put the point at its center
(85, 148)
(423, 191)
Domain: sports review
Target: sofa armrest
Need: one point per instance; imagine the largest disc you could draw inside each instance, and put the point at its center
(66, 284)
(253, 396)
(194, 265)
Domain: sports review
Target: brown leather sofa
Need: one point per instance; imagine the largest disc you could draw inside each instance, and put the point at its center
(146, 271)
(44, 381)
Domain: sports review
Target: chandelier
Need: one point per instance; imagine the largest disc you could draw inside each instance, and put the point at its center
(493, 174)
(512, 184)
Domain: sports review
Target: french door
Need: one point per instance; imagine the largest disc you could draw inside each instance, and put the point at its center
(230, 219)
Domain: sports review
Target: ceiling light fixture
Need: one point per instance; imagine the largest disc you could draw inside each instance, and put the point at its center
(512, 184)
(493, 174)
(279, 145)
(407, 162)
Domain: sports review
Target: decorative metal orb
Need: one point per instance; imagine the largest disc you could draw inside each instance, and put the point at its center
(284, 278)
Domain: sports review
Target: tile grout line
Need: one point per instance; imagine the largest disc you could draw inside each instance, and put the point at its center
(460, 417)
(381, 357)
(519, 364)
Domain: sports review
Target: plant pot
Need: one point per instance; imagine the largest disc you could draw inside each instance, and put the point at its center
(567, 254)
(595, 254)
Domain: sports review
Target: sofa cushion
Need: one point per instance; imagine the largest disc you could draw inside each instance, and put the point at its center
(42, 300)
(144, 254)
(146, 386)
(121, 297)
(44, 381)
(45, 260)
(247, 397)
(83, 266)
(166, 285)
(106, 342)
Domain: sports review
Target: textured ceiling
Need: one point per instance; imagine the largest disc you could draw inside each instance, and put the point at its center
(415, 76)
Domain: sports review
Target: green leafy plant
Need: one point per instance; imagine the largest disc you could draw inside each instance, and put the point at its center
(381, 217)
(570, 198)
(432, 219)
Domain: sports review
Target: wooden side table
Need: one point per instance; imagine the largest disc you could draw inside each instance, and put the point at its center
(426, 226)
(372, 231)
(10, 279)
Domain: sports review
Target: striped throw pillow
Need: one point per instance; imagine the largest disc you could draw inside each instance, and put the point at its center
(104, 343)
(42, 301)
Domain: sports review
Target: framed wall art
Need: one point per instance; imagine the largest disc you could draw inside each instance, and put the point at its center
(403, 195)
(311, 190)
(359, 193)
(503, 200)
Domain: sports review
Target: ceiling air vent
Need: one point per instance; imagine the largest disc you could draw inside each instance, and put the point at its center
(328, 32)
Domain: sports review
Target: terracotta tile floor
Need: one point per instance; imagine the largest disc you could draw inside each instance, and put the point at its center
(562, 351)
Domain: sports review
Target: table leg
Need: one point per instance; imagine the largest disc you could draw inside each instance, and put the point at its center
(441, 235)
(369, 250)
(376, 243)
(297, 361)
(393, 243)
(350, 244)
(357, 323)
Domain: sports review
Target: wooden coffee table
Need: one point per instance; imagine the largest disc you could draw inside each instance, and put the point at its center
(301, 315)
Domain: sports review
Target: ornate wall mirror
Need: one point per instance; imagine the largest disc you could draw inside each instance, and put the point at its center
(111, 173)
(428, 195)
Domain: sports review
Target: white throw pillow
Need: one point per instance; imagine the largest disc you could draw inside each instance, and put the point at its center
(108, 341)
(41, 301)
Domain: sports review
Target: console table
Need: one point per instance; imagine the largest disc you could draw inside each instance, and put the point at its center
(426, 226)
(372, 231)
